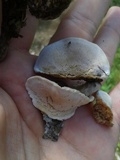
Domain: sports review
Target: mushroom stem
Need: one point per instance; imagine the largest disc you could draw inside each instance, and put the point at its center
(52, 128)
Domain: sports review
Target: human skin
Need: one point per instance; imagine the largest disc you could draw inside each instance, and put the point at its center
(21, 125)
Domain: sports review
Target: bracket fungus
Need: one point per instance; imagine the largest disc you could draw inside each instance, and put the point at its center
(70, 73)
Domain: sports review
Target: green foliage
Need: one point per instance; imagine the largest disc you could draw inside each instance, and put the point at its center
(116, 2)
(118, 148)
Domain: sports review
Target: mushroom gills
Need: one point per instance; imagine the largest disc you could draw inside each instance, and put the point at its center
(57, 102)
(88, 88)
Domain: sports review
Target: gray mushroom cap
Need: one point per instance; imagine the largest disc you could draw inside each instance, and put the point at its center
(73, 58)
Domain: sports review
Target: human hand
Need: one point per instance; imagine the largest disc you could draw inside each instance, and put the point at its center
(21, 125)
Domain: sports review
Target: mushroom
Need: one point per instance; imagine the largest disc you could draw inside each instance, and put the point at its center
(55, 101)
(70, 73)
(101, 108)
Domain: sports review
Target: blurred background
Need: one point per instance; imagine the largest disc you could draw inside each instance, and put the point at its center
(45, 31)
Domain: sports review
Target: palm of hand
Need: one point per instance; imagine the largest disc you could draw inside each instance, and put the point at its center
(22, 125)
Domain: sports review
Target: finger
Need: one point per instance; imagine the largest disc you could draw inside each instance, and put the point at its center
(115, 95)
(82, 20)
(2, 133)
(28, 32)
(109, 36)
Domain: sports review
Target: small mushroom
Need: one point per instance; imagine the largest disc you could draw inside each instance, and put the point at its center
(70, 74)
(101, 108)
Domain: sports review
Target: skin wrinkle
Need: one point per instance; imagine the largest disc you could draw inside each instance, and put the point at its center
(11, 131)
(28, 148)
(42, 150)
(107, 26)
(84, 19)
(113, 13)
(77, 150)
(23, 138)
(25, 152)
(73, 24)
(78, 7)
(110, 57)
(44, 156)
(20, 94)
(72, 148)
(2, 131)
(109, 29)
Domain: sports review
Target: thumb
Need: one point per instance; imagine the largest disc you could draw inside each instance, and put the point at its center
(115, 95)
